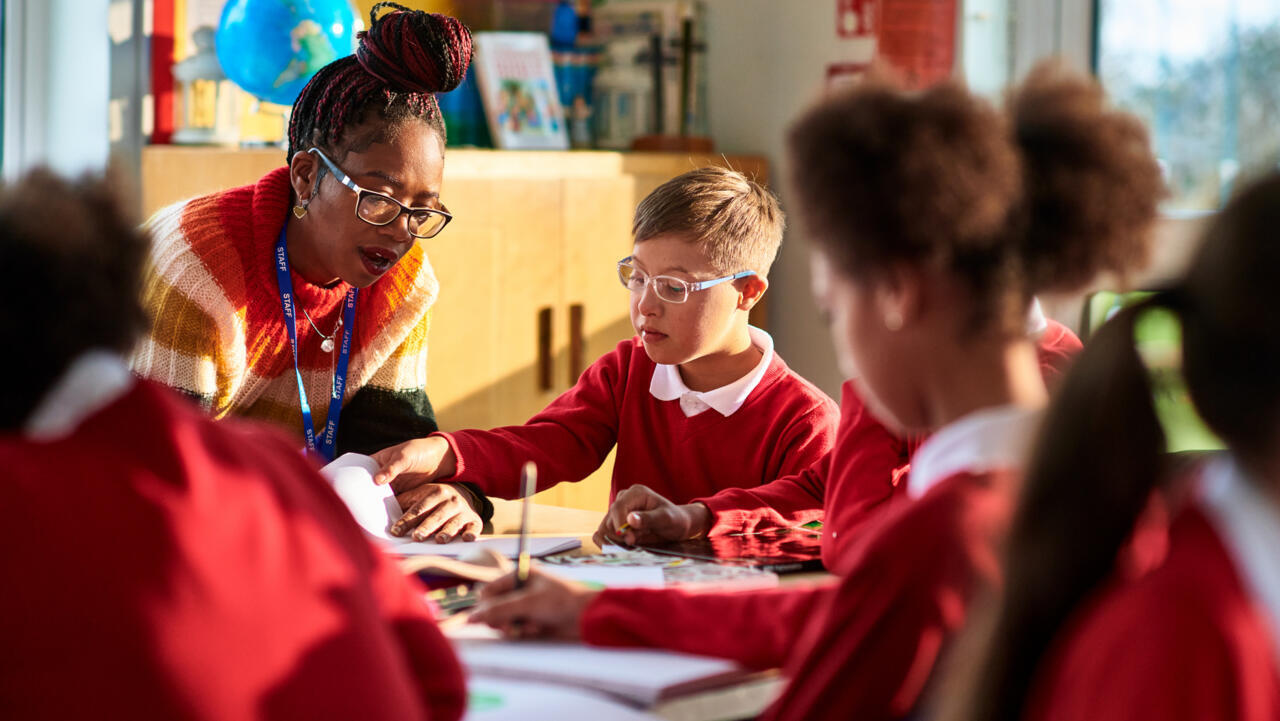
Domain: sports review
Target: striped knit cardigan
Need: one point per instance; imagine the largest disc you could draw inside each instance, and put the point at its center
(218, 332)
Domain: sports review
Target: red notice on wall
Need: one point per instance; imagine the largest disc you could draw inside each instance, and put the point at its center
(162, 40)
(918, 39)
(855, 18)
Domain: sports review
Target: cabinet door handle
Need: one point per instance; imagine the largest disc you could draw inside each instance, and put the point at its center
(577, 342)
(544, 349)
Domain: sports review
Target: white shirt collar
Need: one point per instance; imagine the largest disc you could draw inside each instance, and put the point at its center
(985, 440)
(1037, 323)
(1248, 522)
(667, 385)
(92, 382)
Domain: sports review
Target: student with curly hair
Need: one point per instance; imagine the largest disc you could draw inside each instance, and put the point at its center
(304, 299)
(158, 564)
(932, 218)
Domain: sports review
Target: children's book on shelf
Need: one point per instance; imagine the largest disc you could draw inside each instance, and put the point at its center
(518, 89)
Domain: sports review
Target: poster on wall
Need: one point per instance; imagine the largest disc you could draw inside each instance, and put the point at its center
(917, 38)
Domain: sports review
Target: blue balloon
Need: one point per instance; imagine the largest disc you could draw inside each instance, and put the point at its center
(271, 48)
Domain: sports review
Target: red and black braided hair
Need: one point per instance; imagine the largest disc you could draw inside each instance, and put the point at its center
(403, 60)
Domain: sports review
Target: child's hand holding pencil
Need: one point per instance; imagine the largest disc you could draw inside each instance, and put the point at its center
(545, 606)
(527, 603)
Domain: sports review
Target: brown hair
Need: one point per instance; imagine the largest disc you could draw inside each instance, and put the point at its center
(1041, 197)
(75, 273)
(737, 221)
(1100, 452)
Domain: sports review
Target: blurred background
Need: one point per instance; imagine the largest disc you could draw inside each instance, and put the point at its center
(575, 109)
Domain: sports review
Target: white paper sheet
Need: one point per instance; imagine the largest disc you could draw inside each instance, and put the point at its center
(610, 576)
(509, 547)
(375, 508)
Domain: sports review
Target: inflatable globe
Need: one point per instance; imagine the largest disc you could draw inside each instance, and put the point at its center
(271, 48)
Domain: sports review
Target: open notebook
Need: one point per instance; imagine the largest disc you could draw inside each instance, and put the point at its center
(642, 677)
(375, 508)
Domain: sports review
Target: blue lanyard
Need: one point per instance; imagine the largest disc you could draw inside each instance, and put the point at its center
(330, 435)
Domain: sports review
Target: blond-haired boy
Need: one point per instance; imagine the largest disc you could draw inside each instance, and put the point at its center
(697, 402)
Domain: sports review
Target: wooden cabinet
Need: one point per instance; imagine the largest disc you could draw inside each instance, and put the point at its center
(528, 291)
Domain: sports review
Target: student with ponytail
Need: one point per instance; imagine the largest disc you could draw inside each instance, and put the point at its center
(1079, 634)
(304, 299)
(932, 218)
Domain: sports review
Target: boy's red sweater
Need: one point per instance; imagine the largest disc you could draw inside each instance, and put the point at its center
(785, 426)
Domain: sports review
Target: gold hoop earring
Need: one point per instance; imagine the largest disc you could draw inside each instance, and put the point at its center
(300, 210)
(893, 320)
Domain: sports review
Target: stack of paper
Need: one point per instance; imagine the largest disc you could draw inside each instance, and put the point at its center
(375, 508)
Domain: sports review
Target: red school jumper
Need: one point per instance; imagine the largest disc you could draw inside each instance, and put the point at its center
(863, 646)
(870, 461)
(785, 425)
(1186, 642)
(160, 565)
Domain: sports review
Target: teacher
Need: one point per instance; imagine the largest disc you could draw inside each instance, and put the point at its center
(304, 299)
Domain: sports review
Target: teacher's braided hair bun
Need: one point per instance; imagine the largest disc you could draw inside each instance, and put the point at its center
(404, 59)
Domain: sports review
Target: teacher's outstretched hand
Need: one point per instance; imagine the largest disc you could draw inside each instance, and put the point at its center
(432, 510)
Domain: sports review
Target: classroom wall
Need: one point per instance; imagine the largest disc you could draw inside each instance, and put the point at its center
(56, 85)
(766, 61)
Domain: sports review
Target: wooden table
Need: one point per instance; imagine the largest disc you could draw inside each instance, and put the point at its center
(557, 521)
(748, 698)
(543, 519)
(545, 522)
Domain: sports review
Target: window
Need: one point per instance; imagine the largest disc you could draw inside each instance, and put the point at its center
(986, 45)
(1206, 78)
(4, 87)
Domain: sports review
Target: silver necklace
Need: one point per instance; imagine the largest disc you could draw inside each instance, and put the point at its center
(326, 341)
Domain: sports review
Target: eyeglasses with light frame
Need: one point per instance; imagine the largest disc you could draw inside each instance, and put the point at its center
(669, 288)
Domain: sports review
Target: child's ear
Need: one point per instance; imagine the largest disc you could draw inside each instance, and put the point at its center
(900, 294)
(750, 290)
(302, 174)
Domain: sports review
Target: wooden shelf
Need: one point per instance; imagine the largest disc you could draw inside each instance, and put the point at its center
(174, 172)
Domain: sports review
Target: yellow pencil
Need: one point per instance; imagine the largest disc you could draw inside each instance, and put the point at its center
(528, 484)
